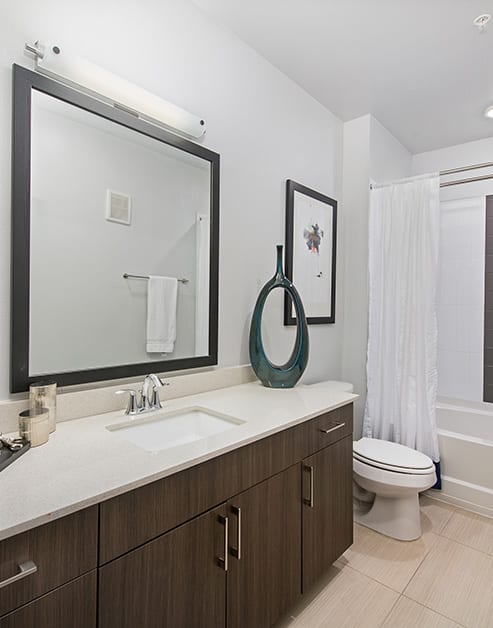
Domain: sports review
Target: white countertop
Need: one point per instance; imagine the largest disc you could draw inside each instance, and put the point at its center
(83, 463)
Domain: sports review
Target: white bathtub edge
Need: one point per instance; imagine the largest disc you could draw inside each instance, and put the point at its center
(464, 495)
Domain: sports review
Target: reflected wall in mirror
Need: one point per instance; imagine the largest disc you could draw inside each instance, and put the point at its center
(99, 194)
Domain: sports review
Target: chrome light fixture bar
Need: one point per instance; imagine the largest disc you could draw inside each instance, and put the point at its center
(88, 77)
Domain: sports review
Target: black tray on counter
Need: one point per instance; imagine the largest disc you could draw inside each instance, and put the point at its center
(7, 456)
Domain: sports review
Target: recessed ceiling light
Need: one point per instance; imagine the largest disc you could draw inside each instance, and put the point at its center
(482, 20)
(488, 112)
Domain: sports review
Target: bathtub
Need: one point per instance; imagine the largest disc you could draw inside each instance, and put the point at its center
(465, 437)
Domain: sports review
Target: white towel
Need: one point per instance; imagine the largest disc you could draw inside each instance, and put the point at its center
(161, 314)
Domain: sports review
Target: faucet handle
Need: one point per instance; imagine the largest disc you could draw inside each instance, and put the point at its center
(155, 401)
(133, 405)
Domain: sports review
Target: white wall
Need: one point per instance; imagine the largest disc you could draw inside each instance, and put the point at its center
(265, 127)
(389, 159)
(461, 280)
(371, 153)
(356, 179)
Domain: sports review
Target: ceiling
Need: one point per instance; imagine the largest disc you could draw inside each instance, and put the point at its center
(419, 66)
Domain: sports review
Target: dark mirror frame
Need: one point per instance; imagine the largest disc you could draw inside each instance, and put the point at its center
(24, 81)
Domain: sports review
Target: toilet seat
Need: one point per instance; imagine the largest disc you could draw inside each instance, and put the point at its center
(394, 469)
(394, 457)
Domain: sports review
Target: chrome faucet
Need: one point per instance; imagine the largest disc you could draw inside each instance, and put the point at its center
(149, 395)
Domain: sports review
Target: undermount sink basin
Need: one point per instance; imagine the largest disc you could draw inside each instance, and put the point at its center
(164, 430)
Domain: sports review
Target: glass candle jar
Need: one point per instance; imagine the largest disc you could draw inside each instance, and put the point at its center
(43, 395)
(34, 425)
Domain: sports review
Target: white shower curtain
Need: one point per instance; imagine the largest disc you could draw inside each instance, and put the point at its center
(402, 335)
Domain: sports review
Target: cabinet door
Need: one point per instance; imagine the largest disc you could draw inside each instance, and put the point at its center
(176, 581)
(327, 508)
(264, 576)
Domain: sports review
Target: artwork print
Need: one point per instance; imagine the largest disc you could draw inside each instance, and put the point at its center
(310, 252)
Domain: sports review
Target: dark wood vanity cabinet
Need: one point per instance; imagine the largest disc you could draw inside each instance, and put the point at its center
(236, 565)
(280, 511)
(229, 543)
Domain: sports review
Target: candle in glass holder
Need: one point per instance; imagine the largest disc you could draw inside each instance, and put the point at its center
(34, 425)
(43, 395)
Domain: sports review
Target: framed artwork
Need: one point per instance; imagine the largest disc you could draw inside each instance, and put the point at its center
(311, 236)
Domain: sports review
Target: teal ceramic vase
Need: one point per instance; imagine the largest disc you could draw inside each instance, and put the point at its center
(288, 374)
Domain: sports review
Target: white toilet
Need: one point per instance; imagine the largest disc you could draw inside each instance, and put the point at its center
(395, 474)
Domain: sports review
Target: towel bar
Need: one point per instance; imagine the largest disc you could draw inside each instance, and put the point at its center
(127, 276)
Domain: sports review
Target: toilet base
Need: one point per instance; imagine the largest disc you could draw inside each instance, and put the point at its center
(397, 517)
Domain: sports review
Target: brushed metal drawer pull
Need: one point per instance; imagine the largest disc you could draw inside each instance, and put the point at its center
(25, 569)
(309, 502)
(236, 551)
(224, 561)
(333, 429)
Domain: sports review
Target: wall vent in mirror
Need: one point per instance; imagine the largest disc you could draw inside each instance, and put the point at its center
(73, 318)
(118, 207)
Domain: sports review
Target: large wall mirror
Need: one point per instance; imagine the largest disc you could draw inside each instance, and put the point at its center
(101, 201)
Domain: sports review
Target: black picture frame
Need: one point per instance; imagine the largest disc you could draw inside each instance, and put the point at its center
(293, 248)
(24, 82)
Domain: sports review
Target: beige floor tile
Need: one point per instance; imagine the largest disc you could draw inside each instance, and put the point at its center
(470, 529)
(434, 514)
(386, 560)
(456, 581)
(343, 599)
(409, 614)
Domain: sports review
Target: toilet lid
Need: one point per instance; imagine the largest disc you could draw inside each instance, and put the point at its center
(386, 454)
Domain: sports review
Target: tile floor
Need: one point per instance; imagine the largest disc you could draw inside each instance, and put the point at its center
(443, 580)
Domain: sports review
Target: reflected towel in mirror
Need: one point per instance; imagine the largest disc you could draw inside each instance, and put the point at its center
(161, 314)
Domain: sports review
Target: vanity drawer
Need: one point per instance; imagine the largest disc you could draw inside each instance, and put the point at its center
(51, 555)
(327, 429)
(138, 516)
(70, 606)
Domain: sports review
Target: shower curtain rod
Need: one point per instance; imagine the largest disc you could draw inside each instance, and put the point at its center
(466, 168)
(445, 184)
(443, 173)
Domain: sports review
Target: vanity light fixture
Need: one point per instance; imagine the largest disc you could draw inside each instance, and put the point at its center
(488, 112)
(88, 77)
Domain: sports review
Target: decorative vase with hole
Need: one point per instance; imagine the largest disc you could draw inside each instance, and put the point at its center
(272, 375)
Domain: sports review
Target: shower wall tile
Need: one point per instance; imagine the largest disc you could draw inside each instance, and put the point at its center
(448, 293)
(460, 298)
(470, 332)
(452, 373)
(447, 329)
(470, 283)
(474, 376)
